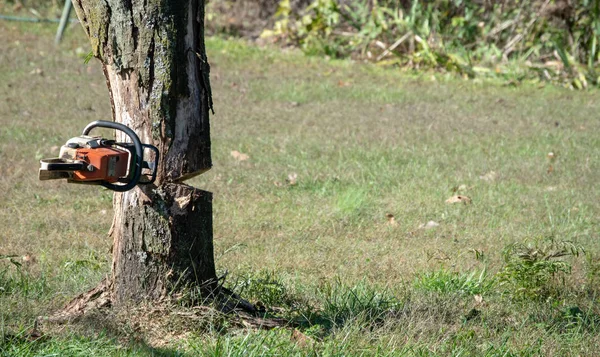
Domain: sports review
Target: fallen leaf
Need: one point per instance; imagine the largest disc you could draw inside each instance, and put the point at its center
(429, 225)
(29, 259)
(551, 158)
(292, 179)
(301, 339)
(103, 212)
(391, 220)
(343, 84)
(37, 71)
(459, 199)
(239, 156)
(489, 177)
(277, 184)
(478, 299)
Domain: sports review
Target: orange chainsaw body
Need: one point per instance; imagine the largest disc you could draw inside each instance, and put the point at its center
(109, 164)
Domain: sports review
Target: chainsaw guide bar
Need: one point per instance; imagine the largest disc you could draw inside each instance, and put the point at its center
(93, 160)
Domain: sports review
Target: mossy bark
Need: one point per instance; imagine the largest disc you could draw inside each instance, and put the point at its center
(156, 69)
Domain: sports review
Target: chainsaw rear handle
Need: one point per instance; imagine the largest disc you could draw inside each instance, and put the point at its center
(139, 152)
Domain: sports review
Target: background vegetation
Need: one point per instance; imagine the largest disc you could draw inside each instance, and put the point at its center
(545, 40)
(553, 41)
(378, 212)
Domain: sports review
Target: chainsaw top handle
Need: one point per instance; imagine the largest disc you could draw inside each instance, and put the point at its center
(139, 152)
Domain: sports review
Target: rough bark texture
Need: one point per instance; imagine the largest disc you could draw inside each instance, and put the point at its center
(154, 60)
(164, 244)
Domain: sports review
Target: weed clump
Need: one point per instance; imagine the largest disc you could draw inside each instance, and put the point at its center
(537, 270)
(16, 280)
(266, 289)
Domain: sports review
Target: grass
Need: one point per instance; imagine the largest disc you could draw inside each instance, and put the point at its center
(301, 225)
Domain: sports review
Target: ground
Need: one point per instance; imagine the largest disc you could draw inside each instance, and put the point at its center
(312, 158)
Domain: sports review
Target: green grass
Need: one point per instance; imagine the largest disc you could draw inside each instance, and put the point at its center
(363, 142)
(443, 281)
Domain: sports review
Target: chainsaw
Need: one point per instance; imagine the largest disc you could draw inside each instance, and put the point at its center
(94, 160)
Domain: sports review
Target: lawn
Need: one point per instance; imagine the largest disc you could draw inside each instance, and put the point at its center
(312, 158)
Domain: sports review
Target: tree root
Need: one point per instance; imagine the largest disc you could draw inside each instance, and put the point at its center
(94, 299)
(247, 314)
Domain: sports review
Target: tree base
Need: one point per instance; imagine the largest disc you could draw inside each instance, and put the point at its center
(156, 322)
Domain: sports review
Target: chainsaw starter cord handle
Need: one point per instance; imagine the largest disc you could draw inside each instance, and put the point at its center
(139, 152)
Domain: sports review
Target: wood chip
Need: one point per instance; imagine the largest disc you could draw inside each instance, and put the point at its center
(391, 220)
(183, 202)
(239, 156)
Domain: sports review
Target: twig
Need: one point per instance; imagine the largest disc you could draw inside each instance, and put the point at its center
(503, 26)
(347, 33)
(394, 45)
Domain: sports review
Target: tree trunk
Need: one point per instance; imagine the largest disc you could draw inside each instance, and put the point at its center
(154, 60)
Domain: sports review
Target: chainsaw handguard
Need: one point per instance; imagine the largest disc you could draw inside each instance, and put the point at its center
(136, 160)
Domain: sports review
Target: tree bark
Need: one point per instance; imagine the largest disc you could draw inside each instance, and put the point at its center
(157, 73)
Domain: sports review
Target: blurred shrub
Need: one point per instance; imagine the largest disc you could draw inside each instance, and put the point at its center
(547, 40)
(537, 270)
(552, 40)
(29, 8)
(245, 18)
